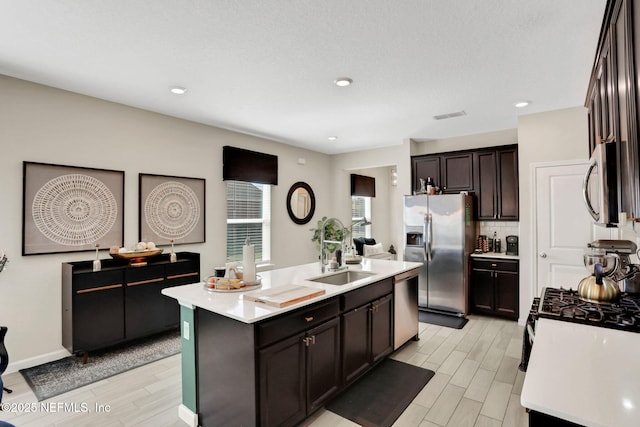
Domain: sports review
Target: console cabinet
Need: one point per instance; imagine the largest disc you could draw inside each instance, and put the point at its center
(495, 287)
(121, 303)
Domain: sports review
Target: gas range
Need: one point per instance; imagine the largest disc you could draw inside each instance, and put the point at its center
(565, 304)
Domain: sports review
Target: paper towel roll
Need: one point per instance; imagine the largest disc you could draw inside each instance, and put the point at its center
(248, 263)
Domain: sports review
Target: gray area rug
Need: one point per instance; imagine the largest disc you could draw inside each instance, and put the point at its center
(57, 377)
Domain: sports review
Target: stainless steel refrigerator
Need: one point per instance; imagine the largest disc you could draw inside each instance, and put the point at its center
(440, 232)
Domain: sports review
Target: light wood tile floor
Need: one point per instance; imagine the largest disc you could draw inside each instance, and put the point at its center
(477, 384)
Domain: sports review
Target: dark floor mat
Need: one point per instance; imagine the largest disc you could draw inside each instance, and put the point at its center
(450, 321)
(380, 396)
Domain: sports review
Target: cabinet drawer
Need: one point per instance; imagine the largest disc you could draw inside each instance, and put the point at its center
(288, 324)
(183, 269)
(98, 279)
(141, 275)
(494, 264)
(366, 294)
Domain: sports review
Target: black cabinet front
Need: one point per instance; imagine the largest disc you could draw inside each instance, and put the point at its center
(495, 287)
(119, 302)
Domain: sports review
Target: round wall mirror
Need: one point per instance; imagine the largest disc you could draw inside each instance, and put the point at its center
(301, 203)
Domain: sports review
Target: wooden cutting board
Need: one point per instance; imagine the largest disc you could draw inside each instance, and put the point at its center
(282, 296)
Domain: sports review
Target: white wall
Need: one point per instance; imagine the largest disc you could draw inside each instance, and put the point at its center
(467, 142)
(543, 137)
(43, 124)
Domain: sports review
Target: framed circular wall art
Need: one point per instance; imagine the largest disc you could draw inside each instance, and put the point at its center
(171, 208)
(70, 208)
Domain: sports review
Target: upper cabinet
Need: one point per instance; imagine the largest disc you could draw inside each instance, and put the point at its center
(490, 173)
(612, 98)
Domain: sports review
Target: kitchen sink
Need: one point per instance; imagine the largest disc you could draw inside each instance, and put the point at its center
(343, 277)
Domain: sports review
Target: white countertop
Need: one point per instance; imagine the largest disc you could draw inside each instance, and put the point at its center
(499, 255)
(231, 304)
(585, 374)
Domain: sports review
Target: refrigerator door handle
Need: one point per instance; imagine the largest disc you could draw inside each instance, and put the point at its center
(428, 223)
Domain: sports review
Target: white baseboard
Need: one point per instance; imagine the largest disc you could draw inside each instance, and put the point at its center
(35, 361)
(188, 416)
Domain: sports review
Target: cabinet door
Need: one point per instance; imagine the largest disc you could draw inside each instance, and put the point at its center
(486, 185)
(282, 383)
(381, 328)
(482, 290)
(356, 348)
(182, 272)
(323, 363)
(424, 167)
(506, 294)
(457, 172)
(144, 304)
(98, 310)
(508, 203)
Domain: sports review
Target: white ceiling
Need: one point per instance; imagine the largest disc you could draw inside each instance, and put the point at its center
(266, 67)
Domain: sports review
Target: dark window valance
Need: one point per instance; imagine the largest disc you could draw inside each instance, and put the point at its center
(363, 185)
(249, 166)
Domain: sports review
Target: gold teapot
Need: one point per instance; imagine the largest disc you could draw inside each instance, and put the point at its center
(598, 287)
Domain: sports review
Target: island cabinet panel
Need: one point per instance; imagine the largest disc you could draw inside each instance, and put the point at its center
(367, 330)
(495, 287)
(278, 371)
(121, 303)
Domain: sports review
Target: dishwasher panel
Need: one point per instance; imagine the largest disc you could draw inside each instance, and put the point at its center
(405, 308)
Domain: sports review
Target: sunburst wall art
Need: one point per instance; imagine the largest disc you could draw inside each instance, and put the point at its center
(171, 208)
(70, 208)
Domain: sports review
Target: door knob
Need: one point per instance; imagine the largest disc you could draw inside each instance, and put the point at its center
(543, 254)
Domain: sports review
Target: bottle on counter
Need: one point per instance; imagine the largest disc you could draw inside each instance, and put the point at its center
(497, 246)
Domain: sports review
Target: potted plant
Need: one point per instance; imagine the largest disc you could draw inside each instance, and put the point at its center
(332, 231)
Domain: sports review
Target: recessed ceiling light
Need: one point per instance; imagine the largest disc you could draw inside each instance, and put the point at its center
(343, 81)
(178, 90)
(521, 104)
(332, 138)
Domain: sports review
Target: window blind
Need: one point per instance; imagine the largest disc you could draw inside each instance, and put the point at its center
(248, 216)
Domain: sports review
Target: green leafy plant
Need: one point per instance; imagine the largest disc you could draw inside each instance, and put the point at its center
(332, 231)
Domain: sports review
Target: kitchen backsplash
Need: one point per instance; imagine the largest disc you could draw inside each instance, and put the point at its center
(502, 229)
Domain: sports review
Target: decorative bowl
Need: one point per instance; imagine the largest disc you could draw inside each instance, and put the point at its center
(136, 258)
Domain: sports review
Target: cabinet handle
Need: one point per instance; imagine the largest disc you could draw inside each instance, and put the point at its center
(179, 276)
(494, 265)
(309, 340)
(309, 318)
(145, 282)
(101, 288)
(313, 339)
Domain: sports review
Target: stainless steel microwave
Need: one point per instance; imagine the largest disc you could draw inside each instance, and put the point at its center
(600, 185)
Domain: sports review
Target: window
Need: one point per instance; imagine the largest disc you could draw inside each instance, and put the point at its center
(360, 208)
(248, 216)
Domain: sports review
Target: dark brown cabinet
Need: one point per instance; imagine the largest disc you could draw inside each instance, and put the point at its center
(495, 287)
(299, 374)
(490, 173)
(425, 167)
(497, 184)
(276, 372)
(121, 303)
(367, 337)
(457, 172)
(613, 99)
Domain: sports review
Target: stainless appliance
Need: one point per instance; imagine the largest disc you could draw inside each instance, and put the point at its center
(624, 272)
(440, 232)
(599, 186)
(512, 245)
(405, 308)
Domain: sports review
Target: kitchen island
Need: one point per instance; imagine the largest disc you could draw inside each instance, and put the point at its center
(584, 374)
(248, 363)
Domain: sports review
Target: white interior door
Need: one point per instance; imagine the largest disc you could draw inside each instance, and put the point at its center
(563, 226)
